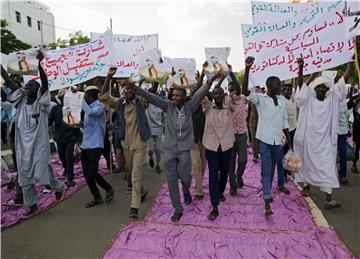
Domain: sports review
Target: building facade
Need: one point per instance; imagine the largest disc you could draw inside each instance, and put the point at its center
(25, 20)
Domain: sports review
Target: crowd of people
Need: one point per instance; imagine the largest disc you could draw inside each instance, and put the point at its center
(187, 129)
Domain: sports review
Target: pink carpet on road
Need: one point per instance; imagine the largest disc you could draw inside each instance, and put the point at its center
(240, 231)
(12, 215)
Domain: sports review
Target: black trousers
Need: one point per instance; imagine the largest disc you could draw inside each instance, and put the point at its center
(107, 150)
(90, 164)
(66, 154)
(219, 162)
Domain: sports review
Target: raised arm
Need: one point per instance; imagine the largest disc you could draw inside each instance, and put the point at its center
(106, 86)
(201, 93)
(249, 61)
(200, 78)
(150, 97)
(8, 81)
(96, 110)
(300, 63)
(154, 87)
(105, 96)
(43, 76)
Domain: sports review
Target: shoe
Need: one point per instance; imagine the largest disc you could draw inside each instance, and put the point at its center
(31, 212)
(268, 212)
(151, 162)
(240, 183)
(157, 169)
(129, 190)
(284, 190)
(143, 196)
(305, 192)
(187, 198)
(213, 214)
(59, 195)
(70, 183)
(332, 204)
(133, 213)
(222, 197)
(109, 195)
(16, 202)
(343, 180)
(11, 185)
(47, 189)
(199, 196)
(232, 191)
(176, 217)
(93, 203)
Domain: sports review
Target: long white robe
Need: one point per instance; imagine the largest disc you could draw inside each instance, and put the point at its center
(32, 138)
(315, 140)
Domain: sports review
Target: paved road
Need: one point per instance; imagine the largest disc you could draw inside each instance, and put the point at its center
(71, 231)
(68, 230)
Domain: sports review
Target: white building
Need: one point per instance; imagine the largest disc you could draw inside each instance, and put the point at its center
(25, 19)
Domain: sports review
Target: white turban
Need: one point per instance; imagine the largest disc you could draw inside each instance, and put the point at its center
(327, 81)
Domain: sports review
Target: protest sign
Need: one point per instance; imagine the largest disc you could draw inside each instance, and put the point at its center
(127, 49)
(271, 12)
(352, 21)
(23, 62)
(216, 60)
(276, 46)
(151, 66)
(72, 108)
(185, 70)
(70, 66)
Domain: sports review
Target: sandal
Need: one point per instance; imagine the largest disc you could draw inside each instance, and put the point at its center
(176, 217)
(268, 212)
(284, 190)
(332, 204)
(93, 203)
(305, 192)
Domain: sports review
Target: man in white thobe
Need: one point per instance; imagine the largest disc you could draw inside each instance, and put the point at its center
(315, 140)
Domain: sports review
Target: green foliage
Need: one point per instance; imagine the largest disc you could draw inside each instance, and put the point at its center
(9, 42)
(74, 39)
(240, 76)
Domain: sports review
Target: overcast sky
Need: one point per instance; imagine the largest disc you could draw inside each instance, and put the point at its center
(185, 28)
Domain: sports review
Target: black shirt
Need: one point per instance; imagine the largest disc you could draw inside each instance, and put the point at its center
(63, 133)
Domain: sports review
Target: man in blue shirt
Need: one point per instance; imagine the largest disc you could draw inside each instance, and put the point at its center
(92, 146)
(273, 123)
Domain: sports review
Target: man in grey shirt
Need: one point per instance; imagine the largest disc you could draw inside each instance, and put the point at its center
(179, 139)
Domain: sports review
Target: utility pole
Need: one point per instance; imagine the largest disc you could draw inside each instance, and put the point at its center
(41, 34)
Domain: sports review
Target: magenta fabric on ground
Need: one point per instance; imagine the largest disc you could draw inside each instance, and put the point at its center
(240, 231)
(12, 215)
(156, 240)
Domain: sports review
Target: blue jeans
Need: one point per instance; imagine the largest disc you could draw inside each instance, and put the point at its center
(342, 145)
(270, 155)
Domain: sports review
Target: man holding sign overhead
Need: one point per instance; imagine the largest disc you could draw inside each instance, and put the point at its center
(316, 136)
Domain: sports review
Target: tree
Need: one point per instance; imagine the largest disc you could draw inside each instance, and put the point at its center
(240, 76)
(74, 39)
(9, 42)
